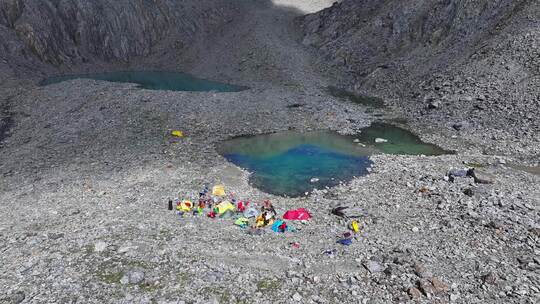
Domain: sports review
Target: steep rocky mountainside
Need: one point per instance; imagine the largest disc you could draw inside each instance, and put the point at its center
(74, 31)
(466, 65)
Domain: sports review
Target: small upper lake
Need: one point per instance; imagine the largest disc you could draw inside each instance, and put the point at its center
(292, 163)
(154, 80)
(368, 101)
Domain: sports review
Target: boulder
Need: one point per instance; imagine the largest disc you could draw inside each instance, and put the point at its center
(482, 177)
(414, 293)
(373, 266)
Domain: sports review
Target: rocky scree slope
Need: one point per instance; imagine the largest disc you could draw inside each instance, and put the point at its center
(70, 32)
(466, 66)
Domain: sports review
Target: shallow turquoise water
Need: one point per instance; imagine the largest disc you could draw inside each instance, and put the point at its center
(400, 141)
(154, 80)
(284, 163)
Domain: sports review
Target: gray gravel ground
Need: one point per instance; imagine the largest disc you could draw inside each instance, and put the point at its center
(87, 169)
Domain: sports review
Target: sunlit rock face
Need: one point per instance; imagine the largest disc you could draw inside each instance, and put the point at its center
(305, 6)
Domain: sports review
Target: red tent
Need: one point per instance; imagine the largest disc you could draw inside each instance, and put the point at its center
(300, 214)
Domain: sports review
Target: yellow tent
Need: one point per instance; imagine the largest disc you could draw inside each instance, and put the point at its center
(185, 206)
(218, 190)
(177, 133)
(224, 207)
(354, 226)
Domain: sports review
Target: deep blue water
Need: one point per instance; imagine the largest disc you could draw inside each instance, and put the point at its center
(289, 173)
(154, 80)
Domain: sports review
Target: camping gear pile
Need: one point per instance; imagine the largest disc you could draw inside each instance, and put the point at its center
(255, 216)
(246, 214)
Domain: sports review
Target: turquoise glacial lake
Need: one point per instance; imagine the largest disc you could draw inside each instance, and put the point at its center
(154, 80)
(293, 163)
